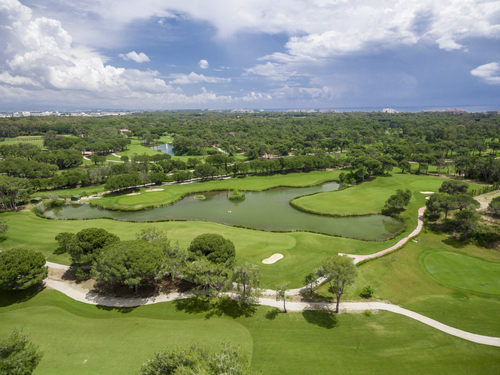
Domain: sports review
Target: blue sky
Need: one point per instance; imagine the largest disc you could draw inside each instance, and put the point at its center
(170, 54)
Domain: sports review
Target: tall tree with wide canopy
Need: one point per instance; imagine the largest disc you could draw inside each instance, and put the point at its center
(339, 271)
(21, 268)
(129, 262)
(89, 243)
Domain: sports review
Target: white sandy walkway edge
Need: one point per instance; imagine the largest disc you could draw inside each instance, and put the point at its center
(420, 225)
(273, 258)
(82, 295)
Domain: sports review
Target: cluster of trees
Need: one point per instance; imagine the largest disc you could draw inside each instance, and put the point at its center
(208, 262)
(398, 201)
(454, 197)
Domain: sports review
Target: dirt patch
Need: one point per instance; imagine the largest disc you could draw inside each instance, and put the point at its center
(148, 288)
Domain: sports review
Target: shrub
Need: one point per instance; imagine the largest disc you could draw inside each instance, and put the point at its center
(367, 292)
(367, 313)
(236, 196)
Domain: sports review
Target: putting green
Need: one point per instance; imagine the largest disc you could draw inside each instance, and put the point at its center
(462, 272)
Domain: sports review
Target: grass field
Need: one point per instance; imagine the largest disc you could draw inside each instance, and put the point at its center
(303, 251)
(462, 272)
(400, 279)
(85, 339)
(370, 197)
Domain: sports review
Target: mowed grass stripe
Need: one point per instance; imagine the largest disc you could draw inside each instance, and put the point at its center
(118, 341)
(462, 272)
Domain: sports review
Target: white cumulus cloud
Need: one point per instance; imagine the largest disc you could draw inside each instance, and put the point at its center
(488, 72)
(203, 64)
(137, 57)
(187, 79)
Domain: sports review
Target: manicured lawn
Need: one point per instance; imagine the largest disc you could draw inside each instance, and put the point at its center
(303, 251)
(173, 193)
(400, 279)
(85, 339)
(462, 272)
(370, 197)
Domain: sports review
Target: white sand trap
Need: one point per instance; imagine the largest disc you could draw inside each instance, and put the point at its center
(273, 258)
(150, 190)
(134, 194)
(427, 197)
(427, 192)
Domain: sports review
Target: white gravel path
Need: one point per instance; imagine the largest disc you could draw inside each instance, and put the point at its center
(82, 295)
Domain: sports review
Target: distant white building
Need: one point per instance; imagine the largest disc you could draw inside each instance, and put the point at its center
(389, 110)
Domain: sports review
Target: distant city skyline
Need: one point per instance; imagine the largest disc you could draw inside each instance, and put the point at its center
(319, 54)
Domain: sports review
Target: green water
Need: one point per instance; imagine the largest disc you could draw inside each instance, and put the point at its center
(269, 210)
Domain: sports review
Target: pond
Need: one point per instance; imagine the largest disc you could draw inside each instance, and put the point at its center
(166, 148)
(269, 210)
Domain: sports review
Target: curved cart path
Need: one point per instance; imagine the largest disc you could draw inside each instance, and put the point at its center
(420, 225)
(82, 295)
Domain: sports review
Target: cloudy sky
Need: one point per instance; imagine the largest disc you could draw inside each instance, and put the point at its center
(172, 54)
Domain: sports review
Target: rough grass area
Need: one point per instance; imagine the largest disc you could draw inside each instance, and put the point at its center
(303, 251)
(370, 197)
(85, 339)
(400, 279)
(462, 272)
(173, 193)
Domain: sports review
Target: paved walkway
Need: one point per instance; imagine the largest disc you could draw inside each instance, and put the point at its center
(420, 225)
(82, 295)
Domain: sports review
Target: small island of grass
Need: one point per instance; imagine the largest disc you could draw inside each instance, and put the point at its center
(200, 197)
(236, 196)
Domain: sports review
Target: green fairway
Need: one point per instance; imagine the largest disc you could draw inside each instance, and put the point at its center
(303, 252)
(400, 279)
(462, 272)
(174, 193)
(370, 197)
(86, 339)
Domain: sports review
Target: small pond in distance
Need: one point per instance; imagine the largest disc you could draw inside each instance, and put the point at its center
(166, 148)
(269, 210)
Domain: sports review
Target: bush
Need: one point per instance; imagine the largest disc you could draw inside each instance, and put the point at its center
(367, 313)
(367, 292)
(18, 355)
(214, 247)
(236, 196)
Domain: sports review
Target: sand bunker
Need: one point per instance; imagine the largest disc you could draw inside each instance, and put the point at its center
(273, 258)
(134, 194)
(427, 192)
(150, 190)
(427, 197)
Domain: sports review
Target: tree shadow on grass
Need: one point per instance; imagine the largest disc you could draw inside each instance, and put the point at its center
(324, 319)
(452, 242)
(272, 314)
(221, 307)
(8, 298)
(120, 309)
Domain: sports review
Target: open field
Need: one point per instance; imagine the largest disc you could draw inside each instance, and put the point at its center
(99, 340)
(400, 279)
(370, 196)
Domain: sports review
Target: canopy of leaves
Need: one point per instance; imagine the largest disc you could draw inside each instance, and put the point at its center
(18, 356)
(214, 247)
(21, 268)
(453, 187)
(89, 243)
(199, 360)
